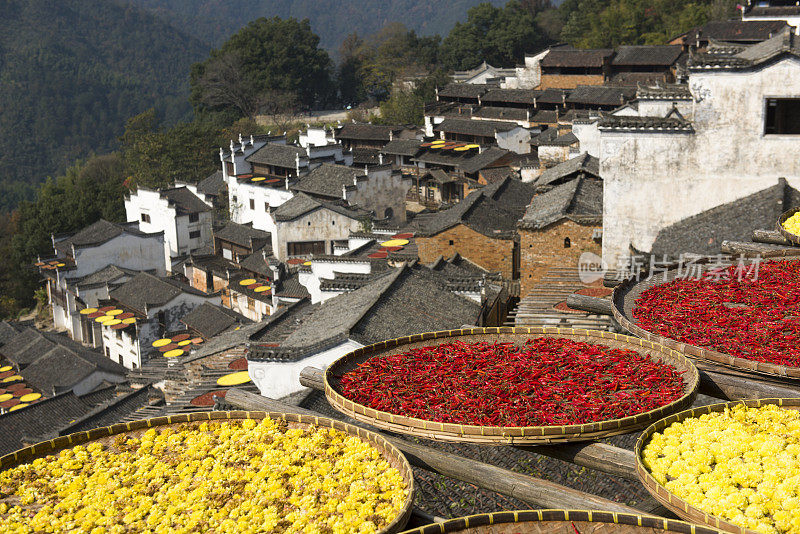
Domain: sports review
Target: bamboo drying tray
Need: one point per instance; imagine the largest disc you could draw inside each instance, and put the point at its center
(792, 238)
(135, 428)
(561, 522)
(497, 435)
(624, 303)
(682, 508)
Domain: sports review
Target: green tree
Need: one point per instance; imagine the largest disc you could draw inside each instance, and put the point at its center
(265, 58)
(407, 106)
(498, 35)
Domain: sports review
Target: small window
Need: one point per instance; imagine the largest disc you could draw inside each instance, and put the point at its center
(194, 217)
(567, 242)
(145, 217)
(452, 242)
(252, 204)
(194, 235)
(266, 206)
(333, 223)
(783, 116)
(235, 199)
(388, 213)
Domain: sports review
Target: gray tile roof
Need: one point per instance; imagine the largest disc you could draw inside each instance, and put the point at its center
(736, 31)
(209, 320)
(468, 161)
(184, 201)
(110, 412)
(366, 156)
(214, 184)
(259, 261)
(498, 173)
(463, 90)
(301, 204)
(703, 233)
(580, 200)
(402, 147)
(367, 132)
(583, 164)
(145, 291)
(600, 95)
(619, 122)
(784, 42)
(103, 276)
(243, 235)
(576, 58)
(492, 211)
(284, 156)
(664, 92)
(514, 96)
(7, 332)
(474, 127)
(551, 96)
(642, 55)
(327, 180)
(99, 233)
(497, 113)
(550, 138)
(290, 287)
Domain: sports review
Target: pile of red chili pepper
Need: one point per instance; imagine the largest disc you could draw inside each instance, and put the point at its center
(751, 317)
(548, 381)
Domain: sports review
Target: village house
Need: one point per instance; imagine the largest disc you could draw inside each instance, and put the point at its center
(213, 188)
(637, 64)
(733, 32)
(400, 302)
(564, 68)
(773, 10)
(51, 363)
(506, 135)
(83, 262)
(184, 218)
(558, 226)
(366, 140)
(580, 166)
(482, 74)
(464, 165)
(740, 139)
(305, 225)
(234, 160)
(380, 189)
(158, 304)
(400, 153)
(209, 320)
(481, 228)
(552, 148)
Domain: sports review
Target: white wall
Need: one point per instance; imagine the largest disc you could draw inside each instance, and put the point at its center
(327, 269)
(517, 140)
(319, 225)
(791, 20)
(126, 250)
(588, 135)
(240, 208)
(529, 76)
(278, 379)
(653, 180)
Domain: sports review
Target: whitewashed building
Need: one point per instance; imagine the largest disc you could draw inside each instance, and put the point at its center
(158, 304)
(784, 10)
(738, 134)
(85, 261)
(184, 216)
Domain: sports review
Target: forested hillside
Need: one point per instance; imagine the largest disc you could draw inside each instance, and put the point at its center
(215, 20)
(71, 73)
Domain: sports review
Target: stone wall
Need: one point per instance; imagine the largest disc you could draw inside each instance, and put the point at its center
(492, 254)
(542, 250)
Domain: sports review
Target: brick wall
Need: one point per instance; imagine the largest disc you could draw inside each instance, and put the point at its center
(569, 81)
(542, 250)
(491, 254)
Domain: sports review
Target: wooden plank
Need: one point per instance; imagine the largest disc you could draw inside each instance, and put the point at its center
(532, 490)
(590, 304)
(770, 236)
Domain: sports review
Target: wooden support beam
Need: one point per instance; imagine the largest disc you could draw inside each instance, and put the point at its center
(764, 250)
(770, 236)
(590, 304)
(531, 490)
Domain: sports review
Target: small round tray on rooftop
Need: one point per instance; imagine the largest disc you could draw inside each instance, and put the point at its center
(792, 238)
(500, 435)
(561, 522)
(105, 435)
(674, 503)
(624, 303)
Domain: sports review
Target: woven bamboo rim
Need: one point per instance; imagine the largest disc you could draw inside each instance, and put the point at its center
(559, 522)
(621, 295)
(792, 238)
(682, 508)
(388, 451)
(499, 435)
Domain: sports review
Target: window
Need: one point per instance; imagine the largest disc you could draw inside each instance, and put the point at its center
(388, 213)
(333, 223)
(252, 204)
(194, 235)
(306, 247)
(145, 217)
(783, 116)
(194, 217)
(567, 242)
(266, 207)
(452, 242)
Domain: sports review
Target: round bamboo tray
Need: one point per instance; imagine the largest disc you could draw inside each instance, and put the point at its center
(135, 428)
(498, 435)
(792, 238)
(561, 522)
(682, 508)
(624, 303)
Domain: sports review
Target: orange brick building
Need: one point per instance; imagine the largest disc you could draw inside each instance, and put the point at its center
(558, 226)
(565, 68)
(481, 228)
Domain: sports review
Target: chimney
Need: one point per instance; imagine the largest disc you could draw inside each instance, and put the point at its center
(344, 192)
(391, 136)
